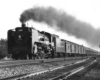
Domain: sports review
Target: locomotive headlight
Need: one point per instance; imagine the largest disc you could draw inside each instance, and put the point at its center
(19, 37)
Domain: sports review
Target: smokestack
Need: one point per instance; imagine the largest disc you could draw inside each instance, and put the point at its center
(23, 25)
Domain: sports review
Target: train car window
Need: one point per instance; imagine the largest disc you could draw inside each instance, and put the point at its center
(75, 48)
(70, 48)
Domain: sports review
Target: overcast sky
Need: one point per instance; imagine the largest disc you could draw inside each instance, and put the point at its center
(84, 10)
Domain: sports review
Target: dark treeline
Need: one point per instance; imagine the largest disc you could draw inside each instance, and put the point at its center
(3, 48)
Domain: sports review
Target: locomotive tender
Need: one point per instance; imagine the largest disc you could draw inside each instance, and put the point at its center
(27, 43)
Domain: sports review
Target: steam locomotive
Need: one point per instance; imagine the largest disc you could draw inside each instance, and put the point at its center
(28, 43)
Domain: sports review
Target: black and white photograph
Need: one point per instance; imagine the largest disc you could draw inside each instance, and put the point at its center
(50, 40)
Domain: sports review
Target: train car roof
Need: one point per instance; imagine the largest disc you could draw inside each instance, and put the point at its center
(72, 42)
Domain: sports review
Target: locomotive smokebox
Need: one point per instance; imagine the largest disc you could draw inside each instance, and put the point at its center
(23, 25)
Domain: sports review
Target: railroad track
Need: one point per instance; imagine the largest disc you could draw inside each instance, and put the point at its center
(37, 72)
(21, 62)
(43, 64)
(68, 74)
(53, 74)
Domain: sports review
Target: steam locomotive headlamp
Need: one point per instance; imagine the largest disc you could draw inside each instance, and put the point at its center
(19, 37)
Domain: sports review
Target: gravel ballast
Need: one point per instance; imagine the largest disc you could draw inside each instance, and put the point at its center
(22, 69)
(90, 73)
(51, 74)
(93, 74)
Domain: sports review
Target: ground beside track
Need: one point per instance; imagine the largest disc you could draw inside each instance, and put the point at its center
(52, 74)
(28, 68)
(90, 73)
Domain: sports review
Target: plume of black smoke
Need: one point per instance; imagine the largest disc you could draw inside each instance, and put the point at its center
(64, 22)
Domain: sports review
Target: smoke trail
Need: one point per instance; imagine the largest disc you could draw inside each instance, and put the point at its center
(64, 22)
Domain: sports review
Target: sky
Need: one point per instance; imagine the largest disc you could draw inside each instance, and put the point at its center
(84, 10)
